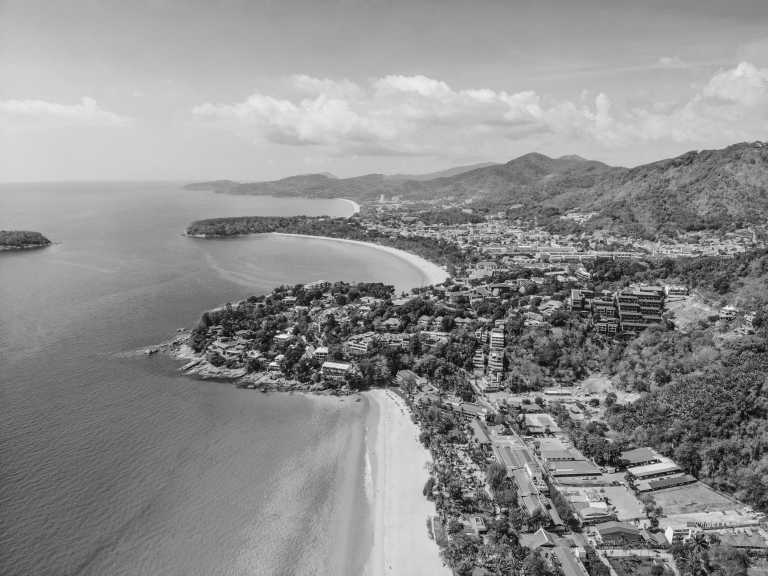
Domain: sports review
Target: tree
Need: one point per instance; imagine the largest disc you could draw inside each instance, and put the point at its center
(496, 475)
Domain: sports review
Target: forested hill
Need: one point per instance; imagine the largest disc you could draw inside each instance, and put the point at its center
(697, 190)
(17, 239)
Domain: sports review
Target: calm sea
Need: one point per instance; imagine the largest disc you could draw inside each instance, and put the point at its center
(113, 464)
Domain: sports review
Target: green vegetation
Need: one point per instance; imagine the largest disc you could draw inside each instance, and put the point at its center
(703, 555)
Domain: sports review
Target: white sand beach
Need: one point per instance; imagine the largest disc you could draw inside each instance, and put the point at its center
(401, 542)
(355, 205)
(434, 274)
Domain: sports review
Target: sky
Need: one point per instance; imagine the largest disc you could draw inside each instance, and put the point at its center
(258, 90)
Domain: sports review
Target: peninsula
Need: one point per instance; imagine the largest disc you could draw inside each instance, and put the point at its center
(22, 240)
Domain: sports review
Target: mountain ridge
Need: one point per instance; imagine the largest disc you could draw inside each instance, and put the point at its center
(699, 189)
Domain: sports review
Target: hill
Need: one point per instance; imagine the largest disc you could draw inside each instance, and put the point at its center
(709, 189)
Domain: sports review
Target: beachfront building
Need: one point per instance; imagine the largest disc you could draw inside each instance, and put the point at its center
(336, 372)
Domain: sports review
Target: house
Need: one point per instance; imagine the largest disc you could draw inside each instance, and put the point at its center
(392, 324)
(676, 535)
(283, 339)
(727, 313)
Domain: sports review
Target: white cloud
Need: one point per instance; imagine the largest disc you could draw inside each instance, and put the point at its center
(22, 114)
(407, 115)
(673, 62)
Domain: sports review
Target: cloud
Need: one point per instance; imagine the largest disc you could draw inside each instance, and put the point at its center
(42, 114)
(412, 115)
(672, 62)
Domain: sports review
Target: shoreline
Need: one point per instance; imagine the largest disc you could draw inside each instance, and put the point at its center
(394, 482)
(433, 273)
(355, 205)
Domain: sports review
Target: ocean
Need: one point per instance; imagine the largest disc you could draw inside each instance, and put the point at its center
(110, 462)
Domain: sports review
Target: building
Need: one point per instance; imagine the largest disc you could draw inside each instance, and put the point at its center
(361, 344)
(336, 372)
(478, 360)
(320, 353)
(676, 535)
(432, 337)
(392, 324)
(727, 313)
(408, 379)
(496, 361)
(539, 424)
(619, 535)
(609, 327)
(664, 482)
(321, 285)
(640, 457)
(580, 300)
(664, 467)
(639, 307)
(570, 468)
(675, 290)
(497, 339)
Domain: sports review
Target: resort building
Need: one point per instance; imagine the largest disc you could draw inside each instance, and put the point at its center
(497, 339)
(336, 372)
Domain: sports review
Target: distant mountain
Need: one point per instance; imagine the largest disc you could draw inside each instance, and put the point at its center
(455, 171)
(697, 190)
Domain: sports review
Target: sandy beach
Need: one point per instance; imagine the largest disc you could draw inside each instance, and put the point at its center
(434, 274)
(401, 543)
(355, 205)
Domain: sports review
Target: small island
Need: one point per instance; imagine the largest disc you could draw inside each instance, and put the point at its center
(22, 240)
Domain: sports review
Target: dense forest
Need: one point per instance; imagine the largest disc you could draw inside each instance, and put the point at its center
(22, 239)
(706, 390)
(439, 251)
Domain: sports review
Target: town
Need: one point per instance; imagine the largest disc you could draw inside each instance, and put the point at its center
(513, 371)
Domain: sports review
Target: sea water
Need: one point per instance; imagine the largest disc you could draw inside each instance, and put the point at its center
(112, 463)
